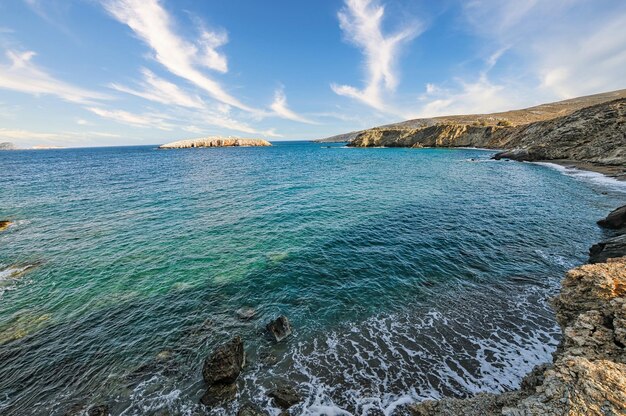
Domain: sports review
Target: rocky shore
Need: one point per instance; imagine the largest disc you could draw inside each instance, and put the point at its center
(215, 141)
(587, 132)
(588, 372)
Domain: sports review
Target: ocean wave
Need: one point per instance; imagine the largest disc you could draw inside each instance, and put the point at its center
(594, 178)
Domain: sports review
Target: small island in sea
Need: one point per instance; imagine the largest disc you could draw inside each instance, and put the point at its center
(215, 141)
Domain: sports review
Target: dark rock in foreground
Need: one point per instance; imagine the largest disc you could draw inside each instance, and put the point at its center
(218, 394)
(285, 396)
(616, 219)
(225, 363)
(611, 248)
(521, 155)
(250, 410)
(280, 328)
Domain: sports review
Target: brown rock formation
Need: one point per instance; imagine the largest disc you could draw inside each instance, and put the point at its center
(588, 376)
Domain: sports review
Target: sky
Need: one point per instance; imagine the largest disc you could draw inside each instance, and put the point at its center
(130, 72)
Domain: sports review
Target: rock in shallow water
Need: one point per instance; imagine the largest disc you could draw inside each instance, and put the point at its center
(285, 396)
(218, 394)
(616, 219)
(246, 314)
(250, 410)
(280, 328)
(607, 249)
(225, 363)
(4, 225)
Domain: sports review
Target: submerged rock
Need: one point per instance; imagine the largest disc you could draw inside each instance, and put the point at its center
(246, 314)
(285, 396)
(250, 410)
(610, 248)
(280, 328)
(5, 224)
(100, 410)
(616, 219)
(218, 394)
(225, 363)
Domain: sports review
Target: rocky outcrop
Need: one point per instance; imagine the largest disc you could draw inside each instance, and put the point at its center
(609, 248)
(588, 375)
(589, 130)
(595, 134)
(221, 370)
(215, 141)
(4, 225)
(615, 220)
(279, 328)
(285, 396)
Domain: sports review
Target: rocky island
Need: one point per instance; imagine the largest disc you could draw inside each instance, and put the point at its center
(7, 146)
(215, 141)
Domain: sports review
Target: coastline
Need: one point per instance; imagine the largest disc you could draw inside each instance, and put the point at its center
(616, 172)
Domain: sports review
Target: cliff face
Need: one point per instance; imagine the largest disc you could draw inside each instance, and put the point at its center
(215, 141)
(594, 134)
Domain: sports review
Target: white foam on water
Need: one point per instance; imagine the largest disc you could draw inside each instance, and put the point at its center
(10, 277)
(595, 178)
(482, 344)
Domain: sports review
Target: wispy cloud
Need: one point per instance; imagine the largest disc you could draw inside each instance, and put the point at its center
(153, 25)
(362, 24)
(161, 91)
(21, 74)
(279, 106)
(128, 118)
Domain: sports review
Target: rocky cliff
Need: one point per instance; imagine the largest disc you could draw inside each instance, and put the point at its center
(595, 134)
(215, 141)
(588, 373)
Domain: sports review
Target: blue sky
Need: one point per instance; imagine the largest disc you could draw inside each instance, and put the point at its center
(115, 72)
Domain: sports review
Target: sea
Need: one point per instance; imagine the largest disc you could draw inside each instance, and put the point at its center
(407, 274)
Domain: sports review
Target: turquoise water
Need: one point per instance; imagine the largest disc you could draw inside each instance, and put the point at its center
(407, 273)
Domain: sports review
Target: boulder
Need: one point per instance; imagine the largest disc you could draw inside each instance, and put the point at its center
(225, 363)
(250, 410)
(611, 248)
(4, 225)
(285, 396)
(100, 410)
(280, 328)
(616, 219)
(515, 154)
(218, 394)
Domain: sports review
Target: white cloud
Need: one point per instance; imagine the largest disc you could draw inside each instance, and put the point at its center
(564, 48)
(152, 24)
(161, 91)
(21, 74)
(361, 22)
(138, 120)
(279, 106)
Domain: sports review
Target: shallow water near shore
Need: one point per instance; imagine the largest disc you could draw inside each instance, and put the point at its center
(407, 273)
